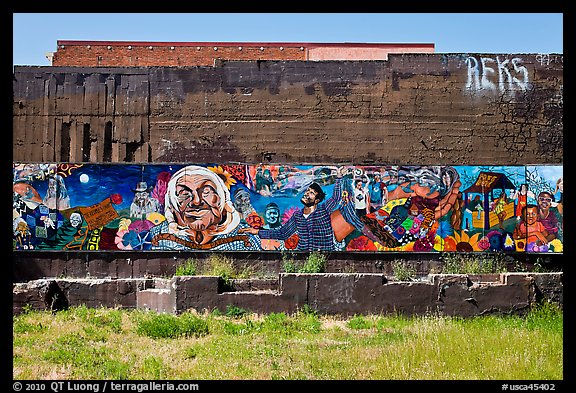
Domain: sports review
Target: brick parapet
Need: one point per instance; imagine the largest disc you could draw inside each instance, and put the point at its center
(177, 54)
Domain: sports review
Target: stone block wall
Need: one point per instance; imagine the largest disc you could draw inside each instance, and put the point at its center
(34, 265)
(328, 294)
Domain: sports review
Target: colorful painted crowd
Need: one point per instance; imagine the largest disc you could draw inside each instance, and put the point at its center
(235, 207)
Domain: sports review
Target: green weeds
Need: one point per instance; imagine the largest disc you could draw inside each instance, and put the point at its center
(188, 268)
(473, 263)
(314, 263)
(217, 265)
(359, 322)
(82, 343)
(403, 271)
(234, 311)
(170, 326)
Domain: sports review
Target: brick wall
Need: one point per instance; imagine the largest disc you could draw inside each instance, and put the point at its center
(167, 55)
(143, 54)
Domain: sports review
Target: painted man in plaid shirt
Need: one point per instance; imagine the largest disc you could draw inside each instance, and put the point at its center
(312, 223)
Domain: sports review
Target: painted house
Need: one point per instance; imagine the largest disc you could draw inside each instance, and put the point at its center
(485, 184)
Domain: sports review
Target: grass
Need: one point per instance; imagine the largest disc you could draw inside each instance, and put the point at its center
(188, 268)
(102, 343)
(217, 265)
(314, 263)
(170, 326)
(473, 263)
(403, 271)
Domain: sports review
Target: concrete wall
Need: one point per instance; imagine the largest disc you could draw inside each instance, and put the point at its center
(28, 266)
(342, 294)
(453, 109)
(420, 109)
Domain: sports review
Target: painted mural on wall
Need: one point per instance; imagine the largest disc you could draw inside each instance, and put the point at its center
(239, 207)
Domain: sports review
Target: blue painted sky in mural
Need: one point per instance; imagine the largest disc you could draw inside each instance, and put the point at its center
(93, 183)
(108, 179)
(35, 34)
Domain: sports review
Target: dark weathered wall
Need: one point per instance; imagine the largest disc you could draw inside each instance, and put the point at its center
(437, 109)
(454, 109)
(27, 266)
(342, 294)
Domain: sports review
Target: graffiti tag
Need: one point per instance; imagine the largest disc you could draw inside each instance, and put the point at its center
(504, 75)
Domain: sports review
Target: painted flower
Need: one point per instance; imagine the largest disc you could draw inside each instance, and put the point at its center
(254, 220)
(449, 244)
(292, 242)
(119, 240)
(533, 247)
(288, 213)
(140, 226)
(145, 240)
(464, 242)
(226, 177)
(495, 239)
(444, 228)
(508, 243)
(116, 199)
(556, 245)
(124, 224)
(361, 243)
(131, 240)
(438, 243)
(155, 218)
(492, 233)
(483, 243)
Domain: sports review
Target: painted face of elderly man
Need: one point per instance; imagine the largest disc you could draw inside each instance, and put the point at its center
(75, 220)
(198, 205)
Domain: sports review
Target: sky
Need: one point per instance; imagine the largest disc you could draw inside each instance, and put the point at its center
(35, 34)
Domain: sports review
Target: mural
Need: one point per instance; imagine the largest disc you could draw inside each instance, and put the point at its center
(237, 207)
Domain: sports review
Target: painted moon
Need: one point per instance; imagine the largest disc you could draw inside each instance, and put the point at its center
(84, 178)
